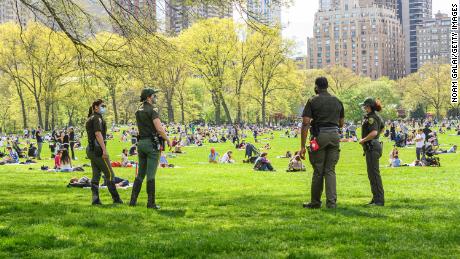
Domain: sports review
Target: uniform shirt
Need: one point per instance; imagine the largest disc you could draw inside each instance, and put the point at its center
(325, 109)
(145, 115)
(95, 123)
(372, 121)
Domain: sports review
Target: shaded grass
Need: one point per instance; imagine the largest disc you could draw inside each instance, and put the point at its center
(228, 211)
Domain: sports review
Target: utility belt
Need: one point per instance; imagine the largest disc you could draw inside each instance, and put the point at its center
(316, 130)
(370, 145)
(157, 141)
(96, 148)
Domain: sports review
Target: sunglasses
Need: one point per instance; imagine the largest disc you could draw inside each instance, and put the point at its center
(103, 106)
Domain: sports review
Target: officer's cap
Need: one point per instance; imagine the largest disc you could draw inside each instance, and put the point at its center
(368, 102)
(146, 92)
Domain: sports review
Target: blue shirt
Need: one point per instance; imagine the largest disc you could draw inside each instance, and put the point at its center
(14, 156)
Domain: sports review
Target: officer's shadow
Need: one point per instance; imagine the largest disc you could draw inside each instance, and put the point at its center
(354, 212)
(172, 213)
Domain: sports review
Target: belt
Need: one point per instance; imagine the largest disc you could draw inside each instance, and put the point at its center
(329, 129)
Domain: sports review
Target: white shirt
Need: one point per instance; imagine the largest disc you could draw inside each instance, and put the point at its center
(419, 140)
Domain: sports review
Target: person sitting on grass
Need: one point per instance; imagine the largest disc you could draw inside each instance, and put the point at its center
(287, 155)
(12, 157)
(65, 161)
(295, 165)
(133, 150)
(178, 149)
(57, 160)
(32, 151)
(263, 164)
(227, 158)
(213, 156)
(394, 153)
(213, 139)
(124, 159)
(396, 162)
(164, 162)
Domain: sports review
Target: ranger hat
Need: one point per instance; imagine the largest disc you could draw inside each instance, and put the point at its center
(146, 92)
(368, 102)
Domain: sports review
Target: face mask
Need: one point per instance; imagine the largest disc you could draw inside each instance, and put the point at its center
(102, 110)
(154, 99)
(364, 109)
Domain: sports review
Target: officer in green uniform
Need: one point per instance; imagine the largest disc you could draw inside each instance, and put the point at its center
(372, 127)
(323, 115)
(96, 151)
(150, 130)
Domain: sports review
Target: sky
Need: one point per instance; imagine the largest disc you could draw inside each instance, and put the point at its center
(298, 19)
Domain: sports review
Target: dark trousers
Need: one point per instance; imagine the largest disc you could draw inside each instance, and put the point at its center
(100, 165)
(324, 161)
(373, 172)
(71, 150)
(39, 149)
(148, 160)
(418, 152)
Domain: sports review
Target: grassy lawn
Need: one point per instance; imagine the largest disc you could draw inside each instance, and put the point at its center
(228, 211)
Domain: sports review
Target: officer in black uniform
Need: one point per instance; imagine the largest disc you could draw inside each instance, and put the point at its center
(372, 127)
(97, 152)
(323, 115)
(151, 134)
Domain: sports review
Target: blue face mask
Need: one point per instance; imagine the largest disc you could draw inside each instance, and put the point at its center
(102, 110)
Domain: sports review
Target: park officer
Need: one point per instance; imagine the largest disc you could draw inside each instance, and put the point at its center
(323, 115)
(151, 134)
(97, 152)
(372, 127)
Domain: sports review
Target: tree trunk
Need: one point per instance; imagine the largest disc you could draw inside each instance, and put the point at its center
(169, 102)
(53, 116)
(47, 115)
(264, 119)
(39, 111)
(113, 95)
(216, 102)
(23, 107)
(182, 110)
(238, 109)
(227, 111)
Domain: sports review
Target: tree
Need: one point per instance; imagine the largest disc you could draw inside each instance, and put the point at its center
(10, 62)
(245, 55)
(211, 48)
(269, 66)
(429, 87)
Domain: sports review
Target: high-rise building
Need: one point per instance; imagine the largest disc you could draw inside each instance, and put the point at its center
(180, 14)
(140, 11)
(368, 40)
(267, 12)
(414, 12)
(433, 37)
(9, 12)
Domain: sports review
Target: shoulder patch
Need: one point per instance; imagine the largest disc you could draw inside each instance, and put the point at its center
(371, 121)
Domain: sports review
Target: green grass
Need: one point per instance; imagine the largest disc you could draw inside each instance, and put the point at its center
(228, 211)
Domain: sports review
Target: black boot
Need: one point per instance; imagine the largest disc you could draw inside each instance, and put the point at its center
(151, 195)
(95, 191)
(113, 191)
(135, 192)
